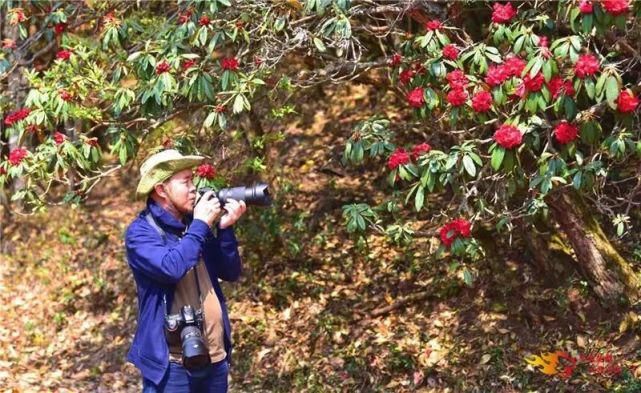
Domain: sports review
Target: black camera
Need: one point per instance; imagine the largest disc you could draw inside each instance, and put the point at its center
(257, 194)
(185, 328)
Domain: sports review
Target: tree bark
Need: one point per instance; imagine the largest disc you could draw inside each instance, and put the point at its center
(610, 275)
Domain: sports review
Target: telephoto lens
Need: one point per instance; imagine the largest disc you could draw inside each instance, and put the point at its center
(195, 354)
(257, 194)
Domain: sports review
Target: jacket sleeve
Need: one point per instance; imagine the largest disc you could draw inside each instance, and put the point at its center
(221, 254)
(147, 253)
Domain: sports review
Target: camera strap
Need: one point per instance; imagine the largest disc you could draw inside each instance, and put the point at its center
(163, 235)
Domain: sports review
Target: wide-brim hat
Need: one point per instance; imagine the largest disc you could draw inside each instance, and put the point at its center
(160, 167)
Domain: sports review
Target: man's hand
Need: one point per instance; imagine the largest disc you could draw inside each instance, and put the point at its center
(207, 209)
(234, 210)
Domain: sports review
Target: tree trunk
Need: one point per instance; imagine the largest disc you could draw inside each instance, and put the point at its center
(610, 275)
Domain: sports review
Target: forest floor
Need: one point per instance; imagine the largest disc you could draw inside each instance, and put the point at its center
(315, 310)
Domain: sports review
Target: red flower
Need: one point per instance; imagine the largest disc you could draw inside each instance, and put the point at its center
(616, 7)
(415, 97)
(168, 143)
(59, 137)
(419, 150)
(65, 95)
(565, 132)
(503, 13)
(496, 75)
(188, 64)
(162, 67)
(59, 27)
(63, 55)
(513, 65)
(206, 171)
(457, 79)
(508, 136)
(399, 157)
(450, 52)
(558, 87)
(457, 97)
(204, 20)
(544, 41)
(434, 24)
(406, 76)
(184, 17)
(92, 141)
(220, 108)
(16, 16)
(16, 116)
(585, 6)
(587, 65)
(627, 102)
(229, 63)
(482, 101)
(533, 84)
(3, 171)
(32, 128)
(395, 60)
(8, 43)
(453, 229)
(17, 155)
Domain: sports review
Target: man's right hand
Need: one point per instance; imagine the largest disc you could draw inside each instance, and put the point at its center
(208, 208)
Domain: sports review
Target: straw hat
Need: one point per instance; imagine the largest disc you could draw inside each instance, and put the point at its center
(160, 167)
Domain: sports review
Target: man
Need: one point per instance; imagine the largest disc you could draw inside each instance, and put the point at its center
(176, 260)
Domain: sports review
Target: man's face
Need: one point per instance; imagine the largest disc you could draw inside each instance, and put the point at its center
(180, 191)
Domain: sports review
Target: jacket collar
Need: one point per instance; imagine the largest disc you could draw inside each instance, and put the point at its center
(165, 219)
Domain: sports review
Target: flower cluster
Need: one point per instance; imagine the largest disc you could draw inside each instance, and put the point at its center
(204, 20)
(503, 13)
(585, 6)
(433, 25)
(59, 138)
(162, 67)
(63, 55)
(566, 132)
(420, 149)
(482, 101)
(627, 102)
(508, 136)
(616, 7)
(229, 63)
(396, 59)
(453, 229)
(416, 98)
(17, 155)
(206, 171)
(450, 52)
(16, 116)
(559, 87)
(65, 95)
(399, 157)
(189, 63)
(586, 65)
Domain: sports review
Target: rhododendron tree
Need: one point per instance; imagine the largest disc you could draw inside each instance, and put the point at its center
(520, 114)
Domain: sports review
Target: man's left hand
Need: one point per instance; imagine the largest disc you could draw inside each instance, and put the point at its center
(234, 210)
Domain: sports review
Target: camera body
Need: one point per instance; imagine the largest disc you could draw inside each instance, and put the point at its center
(186, 328)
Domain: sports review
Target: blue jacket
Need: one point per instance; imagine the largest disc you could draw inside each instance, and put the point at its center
(157, 267)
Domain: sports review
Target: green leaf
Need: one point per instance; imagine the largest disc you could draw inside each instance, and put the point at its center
(589, 87)
(612, 91)
(468, 279)
(468, 163)
(239, 104)
(419, 199)
(319, 44)
(497, 158)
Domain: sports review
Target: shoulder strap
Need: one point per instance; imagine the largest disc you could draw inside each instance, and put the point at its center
(162, 234)
(157, 227)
